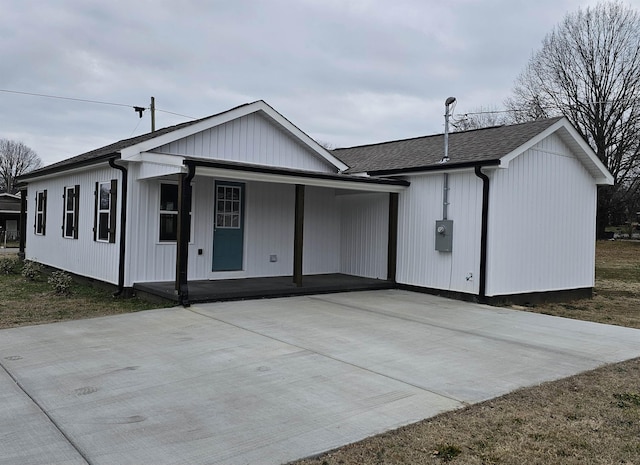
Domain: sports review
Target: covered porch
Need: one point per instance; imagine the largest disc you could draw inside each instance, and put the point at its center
(264, 287)
(334, 232)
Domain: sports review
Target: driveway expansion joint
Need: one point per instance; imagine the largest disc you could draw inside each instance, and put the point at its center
(44, 412)
(462, 403)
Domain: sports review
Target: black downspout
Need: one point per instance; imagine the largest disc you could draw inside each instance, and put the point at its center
(483, 234)
(23, 222)
(123, 226)
(183, 234)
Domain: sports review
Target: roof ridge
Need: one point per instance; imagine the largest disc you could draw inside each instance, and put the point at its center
(375, 144)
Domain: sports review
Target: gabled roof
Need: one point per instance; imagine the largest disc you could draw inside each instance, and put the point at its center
(496, 145)
(467, 147)
(128, 148)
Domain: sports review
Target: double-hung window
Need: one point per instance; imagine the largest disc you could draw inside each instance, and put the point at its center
(104, 222)
(169, 212)
(71, 202)
(40, 225)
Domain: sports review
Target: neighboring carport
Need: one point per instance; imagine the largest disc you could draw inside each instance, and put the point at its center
(270, 381)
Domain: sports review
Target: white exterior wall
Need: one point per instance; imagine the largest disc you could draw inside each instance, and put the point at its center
(364, 234)
(249, 139)
(321, 236)
(419, 264)
(541, 223)
(82, 256)
(269, 230)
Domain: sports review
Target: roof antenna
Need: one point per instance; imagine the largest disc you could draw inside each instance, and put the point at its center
(450, 101)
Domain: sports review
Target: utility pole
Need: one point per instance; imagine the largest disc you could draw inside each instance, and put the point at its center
(153, 113)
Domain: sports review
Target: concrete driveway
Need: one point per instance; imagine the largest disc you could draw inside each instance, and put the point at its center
(270, 381)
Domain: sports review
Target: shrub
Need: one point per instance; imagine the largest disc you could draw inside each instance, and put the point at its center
(31, 270)
(61, 282)
(7, 265)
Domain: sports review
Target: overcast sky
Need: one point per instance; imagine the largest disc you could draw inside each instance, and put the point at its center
(345, 72)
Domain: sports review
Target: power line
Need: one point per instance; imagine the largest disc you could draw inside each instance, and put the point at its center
(66, 98)
(556, 107)
(176, 114)
(137, 108)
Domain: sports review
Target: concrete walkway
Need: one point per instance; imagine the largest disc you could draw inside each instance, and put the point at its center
(270, 381)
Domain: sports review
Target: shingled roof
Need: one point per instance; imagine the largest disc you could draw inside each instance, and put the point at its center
(468, 147)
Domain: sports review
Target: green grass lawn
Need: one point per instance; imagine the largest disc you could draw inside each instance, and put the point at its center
(34, 302)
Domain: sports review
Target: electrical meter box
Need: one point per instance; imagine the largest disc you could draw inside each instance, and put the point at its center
(444, 235)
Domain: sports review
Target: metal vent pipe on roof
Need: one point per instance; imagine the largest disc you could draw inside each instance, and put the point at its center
(445, 194)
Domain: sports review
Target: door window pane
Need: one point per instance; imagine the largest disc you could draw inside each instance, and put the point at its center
(228, 203)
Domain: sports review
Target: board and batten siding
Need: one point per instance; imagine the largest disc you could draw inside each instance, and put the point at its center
(364, 231)
(269, 230)
(82, 256)
(249, 139)
(541, 223)
(419, 264)
(321, 237)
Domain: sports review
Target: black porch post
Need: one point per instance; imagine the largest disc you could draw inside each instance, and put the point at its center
(392, 244)
(297, 238)
(23, 222)
(183, 234)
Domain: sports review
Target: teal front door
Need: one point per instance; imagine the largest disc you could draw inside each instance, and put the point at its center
(228, 228)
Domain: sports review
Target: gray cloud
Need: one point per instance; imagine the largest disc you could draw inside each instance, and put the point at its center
(345, 72)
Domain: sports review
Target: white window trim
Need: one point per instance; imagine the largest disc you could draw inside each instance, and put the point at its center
(101, 210)
(41, 213)
(161, 212)
(73, 212)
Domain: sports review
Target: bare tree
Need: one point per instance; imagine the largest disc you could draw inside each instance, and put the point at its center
(15, 159)
(589, 70)
(479, 118)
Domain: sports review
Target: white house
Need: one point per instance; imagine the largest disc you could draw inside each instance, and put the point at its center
(245, 194)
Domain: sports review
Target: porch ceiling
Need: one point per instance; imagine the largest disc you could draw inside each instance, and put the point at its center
(243, 171)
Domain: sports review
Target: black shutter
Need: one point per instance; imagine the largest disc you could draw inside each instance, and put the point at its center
(44, 212)
(96, 204)
(76, 210)
(64, 208)
(35, 216)
(112, 210)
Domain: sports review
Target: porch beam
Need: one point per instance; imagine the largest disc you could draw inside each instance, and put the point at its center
(298, 235)
(227, 170)
(392, 243)
(183, 235)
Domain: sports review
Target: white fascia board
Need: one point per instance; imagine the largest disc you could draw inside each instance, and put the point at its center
(133, 151)
(293, 179)
(504, 161)
(69, 171)
(308, 141)
(605, 177)
(160, 158)
(587, 152)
